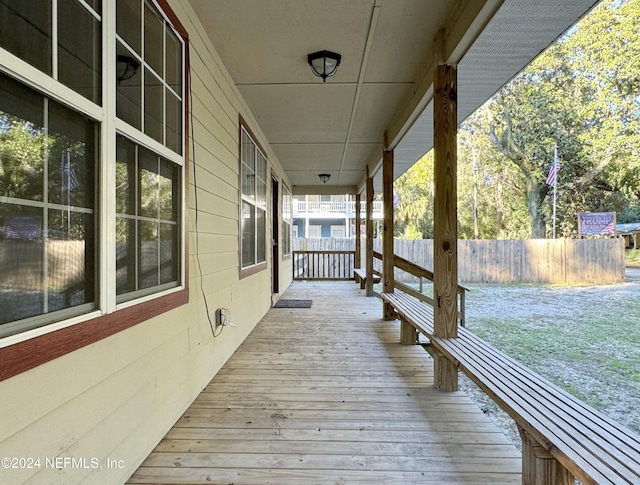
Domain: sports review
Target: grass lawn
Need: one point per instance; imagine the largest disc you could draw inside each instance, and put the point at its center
(584, 339)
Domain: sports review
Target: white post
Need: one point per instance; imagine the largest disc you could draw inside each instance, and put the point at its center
(306, 217)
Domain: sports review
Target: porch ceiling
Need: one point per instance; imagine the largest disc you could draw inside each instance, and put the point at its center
(384, 82)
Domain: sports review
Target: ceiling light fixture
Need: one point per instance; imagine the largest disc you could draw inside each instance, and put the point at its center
(324, 64)
(324, 177)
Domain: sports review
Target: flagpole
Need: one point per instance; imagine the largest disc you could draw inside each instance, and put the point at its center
(69, 193)
(555, 183)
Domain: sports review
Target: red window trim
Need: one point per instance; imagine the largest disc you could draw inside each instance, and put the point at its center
(31, 353)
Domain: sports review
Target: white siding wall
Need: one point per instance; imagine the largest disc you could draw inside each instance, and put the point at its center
(117, 398)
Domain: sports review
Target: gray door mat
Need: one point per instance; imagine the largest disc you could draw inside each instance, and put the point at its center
(293, 304)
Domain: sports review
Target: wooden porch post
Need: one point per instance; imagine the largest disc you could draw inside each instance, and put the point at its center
(356, 263)
(539, 467)
(369, 237)
(445, 246)
(388, 257)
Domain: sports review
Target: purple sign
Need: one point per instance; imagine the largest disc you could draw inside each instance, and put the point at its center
(596, 223)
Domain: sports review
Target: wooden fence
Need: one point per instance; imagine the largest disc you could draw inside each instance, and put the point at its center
(559, 261)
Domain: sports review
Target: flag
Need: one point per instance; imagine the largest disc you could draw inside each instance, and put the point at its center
(553, 173)
(609, 229)
(68, 174)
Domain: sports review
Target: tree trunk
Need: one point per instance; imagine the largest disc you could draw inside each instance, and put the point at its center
(534, 191)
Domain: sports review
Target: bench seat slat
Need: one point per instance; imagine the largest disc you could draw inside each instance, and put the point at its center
(622, 437)
(521, 399)
(585, 439)
(594, 427)
(558, 398)
(360, 275)
(418, 314)
(523, 414)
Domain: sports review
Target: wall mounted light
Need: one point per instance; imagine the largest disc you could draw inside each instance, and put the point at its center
(324, 177)
(126, 67)
(324, 64)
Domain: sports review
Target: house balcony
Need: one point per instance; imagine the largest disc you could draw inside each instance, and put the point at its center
(328, 394)
(333, 209)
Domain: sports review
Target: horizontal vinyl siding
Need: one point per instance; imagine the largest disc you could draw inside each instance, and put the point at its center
(117, 398)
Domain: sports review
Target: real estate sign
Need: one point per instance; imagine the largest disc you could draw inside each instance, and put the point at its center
(596, 223)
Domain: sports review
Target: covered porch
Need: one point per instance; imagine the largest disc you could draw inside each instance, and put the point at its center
(328, 394)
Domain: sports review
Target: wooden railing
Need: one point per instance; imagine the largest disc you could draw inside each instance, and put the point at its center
(422, 273)
(323, 265)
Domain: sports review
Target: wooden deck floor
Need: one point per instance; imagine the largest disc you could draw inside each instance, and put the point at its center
(328, 395)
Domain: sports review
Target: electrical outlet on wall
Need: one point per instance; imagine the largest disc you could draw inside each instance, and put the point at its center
(223, 317)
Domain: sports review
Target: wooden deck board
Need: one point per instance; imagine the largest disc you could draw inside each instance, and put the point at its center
(328, 395)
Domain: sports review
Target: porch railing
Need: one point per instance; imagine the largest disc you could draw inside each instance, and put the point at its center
(422, 273)
(323, 265)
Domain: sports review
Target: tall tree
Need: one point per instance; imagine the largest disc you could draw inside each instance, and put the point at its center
(581, 95)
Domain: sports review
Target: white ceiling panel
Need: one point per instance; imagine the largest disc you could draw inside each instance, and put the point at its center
(314, 157)
(297, 114)
(388, 50)
(375, 104)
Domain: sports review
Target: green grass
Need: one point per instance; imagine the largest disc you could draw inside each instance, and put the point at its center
(632, 257)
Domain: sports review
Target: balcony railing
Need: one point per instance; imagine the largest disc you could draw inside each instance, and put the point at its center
(323, 265)
(339, 207)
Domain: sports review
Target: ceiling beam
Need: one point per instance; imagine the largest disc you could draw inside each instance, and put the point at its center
(373, 23)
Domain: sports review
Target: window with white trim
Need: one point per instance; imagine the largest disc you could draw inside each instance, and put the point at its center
(287, 221)
(253, 217)
(91, 183)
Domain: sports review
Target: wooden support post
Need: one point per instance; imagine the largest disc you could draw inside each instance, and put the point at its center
(388, 257)
(445, 247)
(539, 467)
(408, 334)
(356, 263)
(369, 237)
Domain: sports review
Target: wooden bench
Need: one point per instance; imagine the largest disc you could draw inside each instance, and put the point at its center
(562, 437)
(360, 275)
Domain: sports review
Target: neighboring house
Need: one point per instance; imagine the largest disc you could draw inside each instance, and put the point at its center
(330, 216)
(161, 143)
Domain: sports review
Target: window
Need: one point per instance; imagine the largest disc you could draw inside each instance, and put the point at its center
(48, 158)
(287, 221)
(69, 55)
(337, 231)
(149, 98)
(253, 217)
(66, 251)
(149, 73)
(147, 220)
(315, 230)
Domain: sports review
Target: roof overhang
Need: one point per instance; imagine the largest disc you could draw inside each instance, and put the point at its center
(382, 93)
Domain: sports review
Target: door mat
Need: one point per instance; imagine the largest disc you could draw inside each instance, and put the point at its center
(293, 304)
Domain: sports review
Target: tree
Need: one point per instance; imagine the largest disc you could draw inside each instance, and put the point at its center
(414, 211)
(582, 96)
